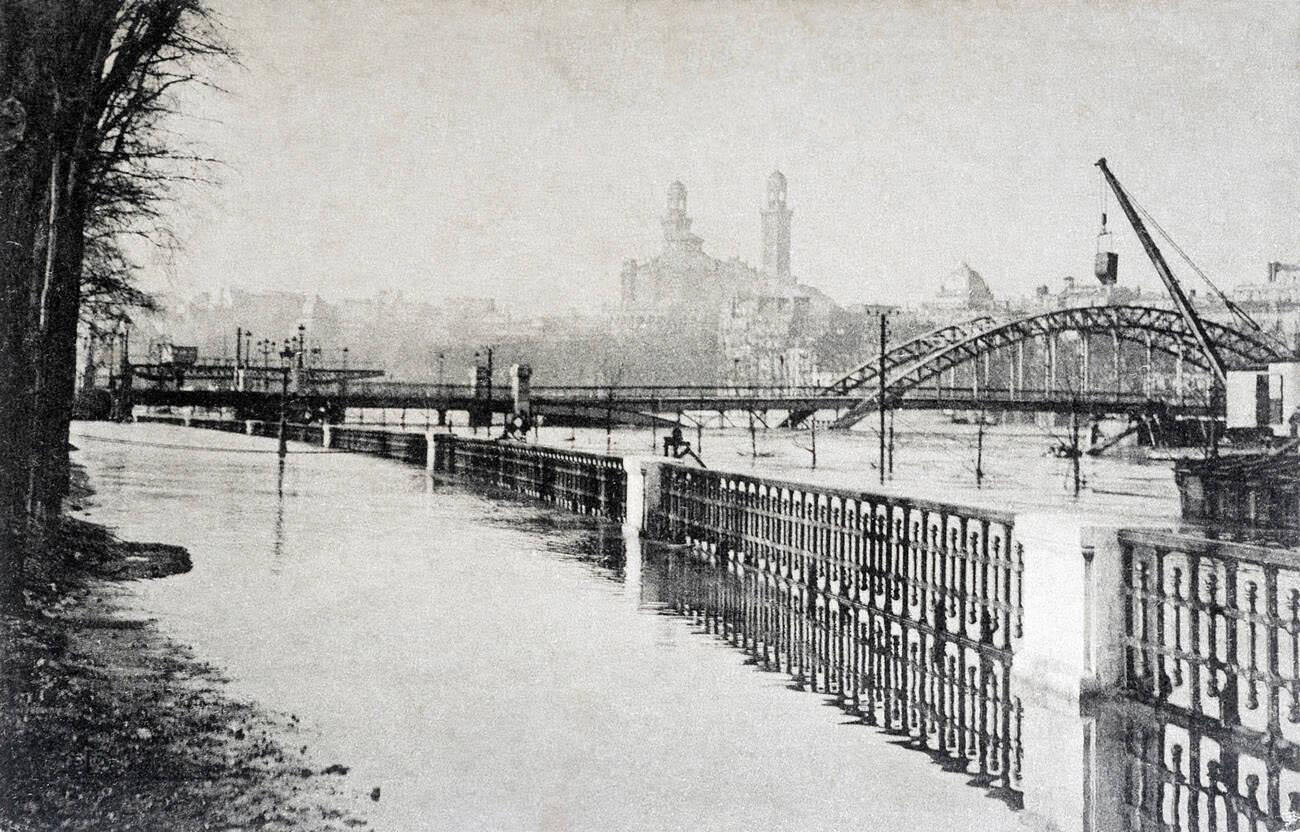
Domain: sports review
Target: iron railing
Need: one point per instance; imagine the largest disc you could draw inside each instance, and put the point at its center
(1212, 645)
(906, 610)
(581, 482)
(407, 447)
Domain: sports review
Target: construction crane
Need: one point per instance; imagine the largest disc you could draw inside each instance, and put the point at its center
(1185, 309)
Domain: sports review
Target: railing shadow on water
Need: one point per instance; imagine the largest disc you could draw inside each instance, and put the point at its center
(903, 611)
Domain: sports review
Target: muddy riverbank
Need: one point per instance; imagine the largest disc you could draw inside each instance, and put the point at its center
(109, 724)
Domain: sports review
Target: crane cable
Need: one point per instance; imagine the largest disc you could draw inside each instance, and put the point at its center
(1240, 314)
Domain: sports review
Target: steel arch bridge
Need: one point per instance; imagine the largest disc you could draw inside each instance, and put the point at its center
(910, 365)
(903, 355)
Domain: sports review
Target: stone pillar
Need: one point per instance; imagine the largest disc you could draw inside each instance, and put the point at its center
(430, 450)
(645, 501)
(327, 436)
(1073, 607)
(248, 426)
(1072, 653)
(521, 389)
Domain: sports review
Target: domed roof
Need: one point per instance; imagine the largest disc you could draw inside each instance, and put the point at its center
(777, 178)
(676, 189)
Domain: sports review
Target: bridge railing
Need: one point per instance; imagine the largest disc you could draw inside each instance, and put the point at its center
(582, 482)
(419, 389)
(966, 396)
(1212, 646)
(675, 391)
(907, 610)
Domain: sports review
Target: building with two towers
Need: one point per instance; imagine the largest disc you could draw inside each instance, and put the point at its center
(762, 320)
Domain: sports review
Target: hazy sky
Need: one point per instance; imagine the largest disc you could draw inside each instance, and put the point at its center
(523, 150)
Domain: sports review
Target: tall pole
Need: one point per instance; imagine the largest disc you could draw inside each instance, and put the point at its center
(812, 435)
(489, 389)
(1074, 445)
(239, 346)
(891, 443)
(285, 357)
(884, 334)
(979, 450)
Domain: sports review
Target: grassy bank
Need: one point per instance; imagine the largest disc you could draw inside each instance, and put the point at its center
(108, 724)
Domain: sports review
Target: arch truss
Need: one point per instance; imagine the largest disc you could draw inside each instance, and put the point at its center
(1161, 330)
(903, 355)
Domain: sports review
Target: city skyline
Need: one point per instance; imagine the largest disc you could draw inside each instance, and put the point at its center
(914, 137)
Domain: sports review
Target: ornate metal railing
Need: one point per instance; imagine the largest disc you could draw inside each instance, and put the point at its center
(581, 482)
(1212, 641)
(906, 610)
(407, 447)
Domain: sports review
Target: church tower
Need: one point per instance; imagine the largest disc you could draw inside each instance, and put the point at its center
(776, 230)
(677, 225)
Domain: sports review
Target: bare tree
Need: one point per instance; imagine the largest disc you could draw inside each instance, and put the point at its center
(92, 82)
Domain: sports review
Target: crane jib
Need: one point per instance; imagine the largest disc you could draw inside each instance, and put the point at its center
(1180, 299)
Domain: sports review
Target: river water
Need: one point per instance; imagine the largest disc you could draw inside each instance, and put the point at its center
(490, 664)
(932, 458)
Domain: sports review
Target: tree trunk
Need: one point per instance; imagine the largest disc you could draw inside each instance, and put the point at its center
(28, 39)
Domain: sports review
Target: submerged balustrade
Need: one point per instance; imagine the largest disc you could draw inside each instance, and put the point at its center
(585, 483)
(905, 610)
(1212, 665)
(1185, 714)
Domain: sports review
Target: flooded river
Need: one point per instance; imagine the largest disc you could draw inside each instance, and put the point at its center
(490, 664)
(932, 457)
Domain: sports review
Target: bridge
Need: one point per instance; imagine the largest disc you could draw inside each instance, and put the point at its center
(1094, 359)
(249, 376)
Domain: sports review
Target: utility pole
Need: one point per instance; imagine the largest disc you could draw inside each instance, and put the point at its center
(979, 450)
(884, 335)
(489, 391)
(891, 443)
(1074, 445)
(286, 355)
(812, 436)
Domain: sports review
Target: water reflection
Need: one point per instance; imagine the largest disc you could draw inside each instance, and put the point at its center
(1146, 765)
(1162, 768)
(277, 531)
(937, 691)
(350, 536)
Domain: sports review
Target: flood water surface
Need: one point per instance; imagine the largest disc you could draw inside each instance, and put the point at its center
(486, 663)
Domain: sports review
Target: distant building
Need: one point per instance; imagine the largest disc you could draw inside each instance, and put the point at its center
(963, 290)
(684, 278)
(762, 320)
(1073, 294)
(766, 338)
(776, 230)
(1275, 303)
